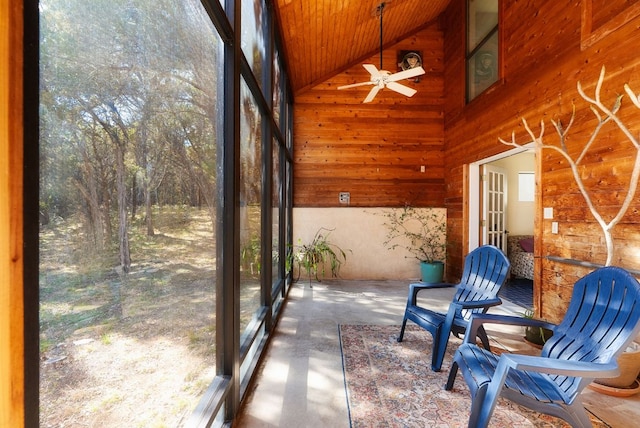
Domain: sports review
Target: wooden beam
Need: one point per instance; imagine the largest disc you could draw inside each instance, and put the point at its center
(11, 252)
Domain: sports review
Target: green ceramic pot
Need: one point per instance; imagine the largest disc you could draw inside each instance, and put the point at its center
(432, 272)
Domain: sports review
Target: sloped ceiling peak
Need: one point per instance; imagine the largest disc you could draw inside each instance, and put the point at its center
(324, 37)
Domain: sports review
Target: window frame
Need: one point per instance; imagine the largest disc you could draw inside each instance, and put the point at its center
(478, 49)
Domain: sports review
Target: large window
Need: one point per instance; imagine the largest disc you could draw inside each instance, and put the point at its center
(482, 46)
(251, 239)
(276, 203)
(138, 153)
(253, 41)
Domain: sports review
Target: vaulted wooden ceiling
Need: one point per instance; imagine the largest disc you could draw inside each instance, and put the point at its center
(325, 37)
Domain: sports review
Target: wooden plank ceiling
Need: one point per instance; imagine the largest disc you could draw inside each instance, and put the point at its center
(325, 37)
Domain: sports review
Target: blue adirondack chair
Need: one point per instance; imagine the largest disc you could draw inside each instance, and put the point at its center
(485, 271)
(602, 319)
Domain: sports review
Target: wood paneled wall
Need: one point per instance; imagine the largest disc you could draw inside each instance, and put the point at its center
(543, 58)
(374, 151)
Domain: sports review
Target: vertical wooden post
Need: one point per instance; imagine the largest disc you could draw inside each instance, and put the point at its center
(11, 224)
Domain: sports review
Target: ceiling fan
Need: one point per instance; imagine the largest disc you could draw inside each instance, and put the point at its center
(381, 79)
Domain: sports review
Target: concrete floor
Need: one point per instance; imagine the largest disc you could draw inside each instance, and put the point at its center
(300, 382)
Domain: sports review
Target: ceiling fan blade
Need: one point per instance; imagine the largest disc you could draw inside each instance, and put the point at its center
(406, 74)
(353, 85)
(372, 94)
(372, 69)
(404, 90)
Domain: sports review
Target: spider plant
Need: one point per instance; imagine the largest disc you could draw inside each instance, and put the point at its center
(315, 256)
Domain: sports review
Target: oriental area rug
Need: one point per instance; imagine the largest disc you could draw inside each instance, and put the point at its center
(391, 384)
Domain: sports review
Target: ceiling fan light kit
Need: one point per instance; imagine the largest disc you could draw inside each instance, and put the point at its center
(381, 79)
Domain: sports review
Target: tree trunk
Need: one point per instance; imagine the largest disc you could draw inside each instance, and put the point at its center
(147, 209)
(134, 199)
(125, 254)
(88, 188)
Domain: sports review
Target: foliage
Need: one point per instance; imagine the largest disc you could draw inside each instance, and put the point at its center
(129, 99)
(314, 256)
(289, 260)
(422, 233)
(250, 256)
(537, 335)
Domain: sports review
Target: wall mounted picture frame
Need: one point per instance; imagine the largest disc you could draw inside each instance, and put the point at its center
(408, 60)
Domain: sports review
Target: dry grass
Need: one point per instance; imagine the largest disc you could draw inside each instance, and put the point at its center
(128, 351)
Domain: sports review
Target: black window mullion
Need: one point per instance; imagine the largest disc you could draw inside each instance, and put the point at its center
(482, 42)
(219, 19)
(30, 210)
(267, 169)
(228, 233)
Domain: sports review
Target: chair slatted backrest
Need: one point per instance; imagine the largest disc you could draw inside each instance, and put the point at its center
(485, 270)
(601, 320)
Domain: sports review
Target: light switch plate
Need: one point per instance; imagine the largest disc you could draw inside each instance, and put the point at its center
(344, 197)
(547, 212)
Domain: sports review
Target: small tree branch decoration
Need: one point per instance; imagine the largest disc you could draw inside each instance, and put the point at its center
(603, 115)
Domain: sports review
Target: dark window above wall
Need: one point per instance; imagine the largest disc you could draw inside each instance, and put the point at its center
(482, 53)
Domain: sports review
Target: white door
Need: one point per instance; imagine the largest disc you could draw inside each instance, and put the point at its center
(494, 206)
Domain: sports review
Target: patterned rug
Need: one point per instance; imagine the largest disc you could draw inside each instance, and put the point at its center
(391, 384)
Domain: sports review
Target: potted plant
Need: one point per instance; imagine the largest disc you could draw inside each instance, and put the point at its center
(422, 233)
(536, 336)
(314, 256)
(626, 383)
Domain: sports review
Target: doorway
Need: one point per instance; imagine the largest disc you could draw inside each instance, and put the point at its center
(494, 205)
(502, 206)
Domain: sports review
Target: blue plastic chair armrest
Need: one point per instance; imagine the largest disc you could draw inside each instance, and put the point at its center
(555, 366)
(478, 319)
(419, 286)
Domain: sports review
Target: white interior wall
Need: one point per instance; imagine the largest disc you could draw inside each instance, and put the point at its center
(519, 214)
